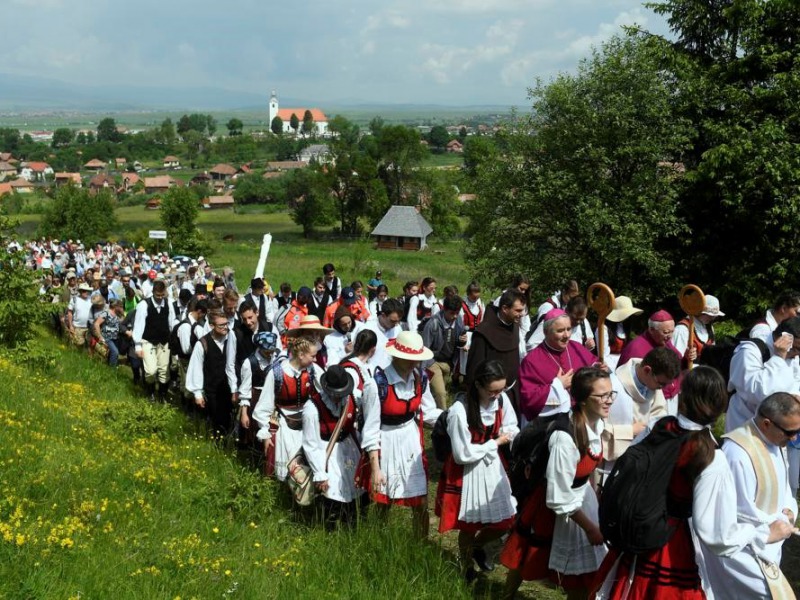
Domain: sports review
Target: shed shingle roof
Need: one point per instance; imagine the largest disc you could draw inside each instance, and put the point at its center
(403, 221)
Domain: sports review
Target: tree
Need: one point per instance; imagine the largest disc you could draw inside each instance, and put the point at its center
(254, 189)
(211, 125)
(235, 126)
(400, 152)
(167, 132)
(179, 209)
(294, 123)
(107, 131)
(462, 133)
(308, 123)
(311, 203)
(735, 71)
(442, 206)
(438, 137)
(62, 136)
(184, 125)
(9, 139)
(576, 191)
(277, 125)
(21, 310)
(77, 214)
(478, 150)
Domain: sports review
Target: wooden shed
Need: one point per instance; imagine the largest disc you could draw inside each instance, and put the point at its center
(402, 228)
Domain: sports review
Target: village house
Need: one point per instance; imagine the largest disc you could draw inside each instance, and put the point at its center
(402, 228)
(320, 120)
(172, 162)
(222, 172)
(454, 146)
(153, 204)
(102, 181)
(35, 171)
(95, 165)
(159, 184)
(129, 180)
(22, 186)
(316, 152)
(286, 165)
(7, 170)
(65, 178)
(5, 188)
(213, 202)
(120, 163)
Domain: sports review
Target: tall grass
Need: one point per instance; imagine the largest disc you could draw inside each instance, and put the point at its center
(102, 494)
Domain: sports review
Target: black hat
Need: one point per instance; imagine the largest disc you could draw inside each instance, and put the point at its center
(327, 268)
(257, 284)
(337, 382)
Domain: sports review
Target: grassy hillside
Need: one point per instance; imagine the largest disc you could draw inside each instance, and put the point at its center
(102, 491)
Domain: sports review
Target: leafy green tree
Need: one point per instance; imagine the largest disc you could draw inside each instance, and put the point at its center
(167, 131)
(479, 150)
(438, 137)
(62, 136)
(179, 209)
(184, 125)
(277, 125)
(235, 126)
(20, 308)
(310, 200)
(462, 133)
(107, 131)
(254, 189)
(211, 125)
(78, 214)
(736, 80)
(400, 152)
(308, 123)
(576, 191)
(9, 139)
(294, 123)
(440, 207)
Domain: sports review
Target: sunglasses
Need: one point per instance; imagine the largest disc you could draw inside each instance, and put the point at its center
(787, 432)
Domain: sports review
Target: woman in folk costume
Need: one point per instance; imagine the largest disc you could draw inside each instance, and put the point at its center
(546, 372)
(618, 329)
(702, 507)
(334, 477)
(474, 494)
(381, 294)
(396, 470)
(357, 365)
(423, 306)
(471, 315)
(280, 405)
(557, 535)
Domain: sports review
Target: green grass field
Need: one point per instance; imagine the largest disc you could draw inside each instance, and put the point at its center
(295, 259)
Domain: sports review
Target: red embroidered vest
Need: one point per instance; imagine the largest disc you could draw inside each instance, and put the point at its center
(327, 420)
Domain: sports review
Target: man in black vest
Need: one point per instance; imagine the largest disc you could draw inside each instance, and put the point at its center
(206, 379)
(264, 304)
(155, 318)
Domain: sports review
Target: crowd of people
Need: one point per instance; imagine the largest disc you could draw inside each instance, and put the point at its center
(574, 447)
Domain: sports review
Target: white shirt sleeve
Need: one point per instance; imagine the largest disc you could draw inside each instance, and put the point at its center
(714, 517)
(370, 404)
(560, 497)
(230, 362)
(754, 380)
(246, 385)
(680, 338)
(194, 374)
(138, 323)
(430, 412)
(413, 322)
(265, 406)
(314, 446)
(464, 451)
(185, 337)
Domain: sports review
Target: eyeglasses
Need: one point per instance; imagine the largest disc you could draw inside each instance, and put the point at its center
(612, 395)
(788, 433)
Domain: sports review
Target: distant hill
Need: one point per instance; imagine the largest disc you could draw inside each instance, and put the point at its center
(30, 94)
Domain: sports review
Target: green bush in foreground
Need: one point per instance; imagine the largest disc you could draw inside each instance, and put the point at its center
(100, 491)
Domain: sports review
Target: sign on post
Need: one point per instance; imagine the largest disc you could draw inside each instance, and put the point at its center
(156, 234)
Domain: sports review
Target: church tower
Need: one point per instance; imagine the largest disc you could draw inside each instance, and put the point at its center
(273, 107)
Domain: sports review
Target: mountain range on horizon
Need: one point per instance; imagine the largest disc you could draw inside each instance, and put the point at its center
(26, 93)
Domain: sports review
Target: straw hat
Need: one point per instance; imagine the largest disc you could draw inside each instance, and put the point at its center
(409, 346)
(712, 307)
(623, 308)
(308, 323)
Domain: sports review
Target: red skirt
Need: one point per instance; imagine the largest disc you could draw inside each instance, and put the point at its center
(528, 547)
(669, 573)
(448, 502)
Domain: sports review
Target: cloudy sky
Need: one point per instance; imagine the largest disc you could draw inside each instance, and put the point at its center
(456, 52)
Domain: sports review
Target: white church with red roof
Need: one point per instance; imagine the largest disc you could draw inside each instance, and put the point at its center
(320, 120)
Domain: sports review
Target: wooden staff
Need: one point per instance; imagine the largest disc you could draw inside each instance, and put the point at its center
(601, 300)
(693, 303)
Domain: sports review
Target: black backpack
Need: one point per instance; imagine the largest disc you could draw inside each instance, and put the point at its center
(633, 505)
(530, 453)
(720, 353)
(175, 341)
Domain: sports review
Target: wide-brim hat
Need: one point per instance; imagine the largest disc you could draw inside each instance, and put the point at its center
(84, 287)
(409, 346)
(712, 307)
(336, 381)
(309, 323)
(623, 308)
